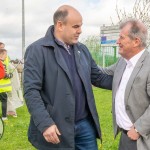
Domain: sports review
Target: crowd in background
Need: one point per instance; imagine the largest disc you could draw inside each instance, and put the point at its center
(10, 87)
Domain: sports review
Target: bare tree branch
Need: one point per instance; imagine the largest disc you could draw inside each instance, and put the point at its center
(141, 11)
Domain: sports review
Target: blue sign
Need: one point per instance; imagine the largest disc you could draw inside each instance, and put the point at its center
(105, 41)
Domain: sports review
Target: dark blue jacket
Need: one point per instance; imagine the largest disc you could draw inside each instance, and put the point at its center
(49, 94)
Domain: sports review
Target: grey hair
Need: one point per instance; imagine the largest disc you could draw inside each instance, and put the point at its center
(138, 29)
(60, 15)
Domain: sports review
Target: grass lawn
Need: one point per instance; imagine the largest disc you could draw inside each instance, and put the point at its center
(104, 103)
(15, 130)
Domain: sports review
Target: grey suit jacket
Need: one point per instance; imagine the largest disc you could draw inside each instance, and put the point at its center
(137, 96)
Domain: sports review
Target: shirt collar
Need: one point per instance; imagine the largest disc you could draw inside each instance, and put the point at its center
(134, 59)
(61, 43)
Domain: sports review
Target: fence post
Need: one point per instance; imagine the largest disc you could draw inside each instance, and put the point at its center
(115, 53)
(103, 53)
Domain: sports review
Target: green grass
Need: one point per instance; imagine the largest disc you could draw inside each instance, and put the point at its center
(15, 133)
(104, 107)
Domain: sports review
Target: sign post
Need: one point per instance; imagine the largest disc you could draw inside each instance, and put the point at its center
(109, 36)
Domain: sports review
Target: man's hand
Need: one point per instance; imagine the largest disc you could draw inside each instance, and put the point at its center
(51, 134)
(132, 134)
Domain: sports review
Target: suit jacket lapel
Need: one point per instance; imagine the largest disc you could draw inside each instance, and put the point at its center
(118, 76)
(77, 54)
(61, 61)
(80, 69)
(135, 71)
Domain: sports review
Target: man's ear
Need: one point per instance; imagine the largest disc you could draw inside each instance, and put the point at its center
(60, 25)
(137, 42)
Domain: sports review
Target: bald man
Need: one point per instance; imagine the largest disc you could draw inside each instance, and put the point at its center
(58, 73)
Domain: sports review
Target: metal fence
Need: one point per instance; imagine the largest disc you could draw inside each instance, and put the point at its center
(104, 55)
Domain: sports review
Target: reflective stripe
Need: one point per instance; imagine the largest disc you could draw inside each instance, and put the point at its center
(5, 85)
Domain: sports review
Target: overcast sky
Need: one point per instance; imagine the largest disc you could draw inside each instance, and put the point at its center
(39, 14)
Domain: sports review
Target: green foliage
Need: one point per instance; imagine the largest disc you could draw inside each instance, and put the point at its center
(93, 44)
(104, 107)
(110, 60)
(15, 133)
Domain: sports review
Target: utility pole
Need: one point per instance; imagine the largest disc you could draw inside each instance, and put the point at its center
(23, 29)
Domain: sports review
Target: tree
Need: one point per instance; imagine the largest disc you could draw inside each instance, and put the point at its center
(92, 42)
(141, 11)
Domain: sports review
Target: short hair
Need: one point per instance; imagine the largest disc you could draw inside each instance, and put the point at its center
(2, 43)
(60, 15)
(2, 50)
(138, 29)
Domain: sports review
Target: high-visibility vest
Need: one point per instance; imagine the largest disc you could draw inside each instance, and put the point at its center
(5, 84)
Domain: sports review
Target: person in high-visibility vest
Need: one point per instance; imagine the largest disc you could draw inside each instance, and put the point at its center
(2, 71)
(5, 83)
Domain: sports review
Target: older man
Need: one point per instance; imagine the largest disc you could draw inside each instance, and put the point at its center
(131, 87)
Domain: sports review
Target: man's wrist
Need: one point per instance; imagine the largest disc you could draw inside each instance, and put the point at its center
(136, 130)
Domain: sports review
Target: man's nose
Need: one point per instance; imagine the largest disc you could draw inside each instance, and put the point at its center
(79, 31)
(118, 41)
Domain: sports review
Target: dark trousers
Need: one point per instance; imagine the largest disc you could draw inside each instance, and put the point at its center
(3, 99)
(126, 143)
(85, 135)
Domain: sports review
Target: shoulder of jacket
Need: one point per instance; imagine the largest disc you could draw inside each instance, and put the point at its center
(37, 43)
(83, 48)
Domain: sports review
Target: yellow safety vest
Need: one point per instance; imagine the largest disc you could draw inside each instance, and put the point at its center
(5, 84)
